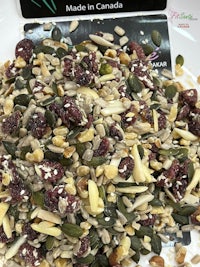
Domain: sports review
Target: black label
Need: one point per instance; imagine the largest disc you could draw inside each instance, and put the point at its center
(55, 8)
(137, 28)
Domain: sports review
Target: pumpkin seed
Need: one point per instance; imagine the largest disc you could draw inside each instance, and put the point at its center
(96, 161)
(121, 207)
(155, 106)
(155, 202)
(144, 230)
(50, 117)
(141, 151)
(11, 148)
(80, 149)
(156, 37)
(86, 260)
(110, 210)
(106, 221)
(180, 60)
(26, 73)
(170, 91)
(44, 49)
(157, 82)
(100, 261)
(38, 198)
(148, 49)
(190, 171)
(181, 219)
(51, 155)
(134, 83)
(47, 101)
(61, 52)
(144, 251)
(105, 69)
(49, 242)
(136, 256)
(94, 239)
(13, 211)
(56, 34)
(177, 152)
(72, 230)
(19, 84)
(22, 100)
(187, 210)
(156, 244)
(136, 244)
(81, 48)
(65, 162)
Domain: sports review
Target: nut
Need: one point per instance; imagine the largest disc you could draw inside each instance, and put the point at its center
(180, 255)
(20, 62)
(3, 209)
(46, 228)
(157, 261)
(36, 156)
(86, 136)
(110, 171)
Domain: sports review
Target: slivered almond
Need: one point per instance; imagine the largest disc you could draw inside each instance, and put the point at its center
(6, 226)
(93, 195)
(3, 209)
(100, 40)
(12, 251)
(46, 228)
(49, 216)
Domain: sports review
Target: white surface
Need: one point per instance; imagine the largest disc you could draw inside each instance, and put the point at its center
(184, 21)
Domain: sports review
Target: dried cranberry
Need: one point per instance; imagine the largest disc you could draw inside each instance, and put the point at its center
(162, 121)
(4, 238)
(103, 148)
(90, 121)
(183, 112)
(11, 71)
(72, 110)
(126, 120)
(124, 92)
(19, 192)
(50, 171)
(57, 200)
(145, 112)
(31, 255)
(135, 47)
(29, 232)
(115, 133)
(149, 221)
(194, 215)
(7, 165)
(38, 87)
(179, 188)
(169, 175)
(67, 67)
(89, 63)
(194, 122)
(37, 124)
(126, 167)
(82, 76)
(11, 124)
(24, 49)
(188, 97)
(85, 244)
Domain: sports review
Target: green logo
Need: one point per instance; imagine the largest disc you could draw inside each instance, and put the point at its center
(49, 5)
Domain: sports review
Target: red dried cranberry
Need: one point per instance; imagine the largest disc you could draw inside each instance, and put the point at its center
(188, 97)
(179, 188)
(72, 110)
(67, 67)
(149, 221)
(50, 171)
(194, 122)
(19, 192)
(4, 238)
(85, 244)
(57, 200)
(135, 47)
(115, 133)
(31, 255)
(6, 164)
(11, 124)
(145, 112)
(38, 87)
(29, 232)
(90, 121)
(128, 121)
(126, 167)
(168, 176)
(183, 112)
(24, 49)
(103, 148)
(11, 71)
(162, 121)
(89, 63)
(82, 76)
(194, 215)
(37, 124)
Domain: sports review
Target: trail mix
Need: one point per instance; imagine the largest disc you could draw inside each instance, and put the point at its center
(99, 155)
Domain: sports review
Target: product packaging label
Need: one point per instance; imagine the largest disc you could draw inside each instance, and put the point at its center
(55, 8)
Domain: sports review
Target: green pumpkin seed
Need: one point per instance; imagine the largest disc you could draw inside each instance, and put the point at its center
(144, 251)
(26, 73)
(66, 162)
(110, 210)
(180, 60)
(44, 49)
(51, 118)
(56, 34)
(19, 84)
(38, 198)
(49, 242)
(156, 244)
(94, 239)
(170, 91)
(141, 151)
(86, 260)
(80, 148)
(51, 155)
(10, 80)
(156, 37)
(136, 243)
(24, 151)
(175, 206)
(190, 171)
(105, 69)
(61, 52)
(155, 202)
(100, 261)
(121, 207)
(187, 210)
(157, 82)
(72, 230)
(81, 48)
(148, 49)
(106, 222)
(136, 256)
(181, 219)
(13, 211)
(96, 161)
(11, 148)
(155, 106)
(144, 230)
(134, 83)
(73, 133)
(22, 100)
(47, 101)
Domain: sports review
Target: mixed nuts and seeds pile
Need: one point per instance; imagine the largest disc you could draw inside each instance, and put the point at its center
(99, 157)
